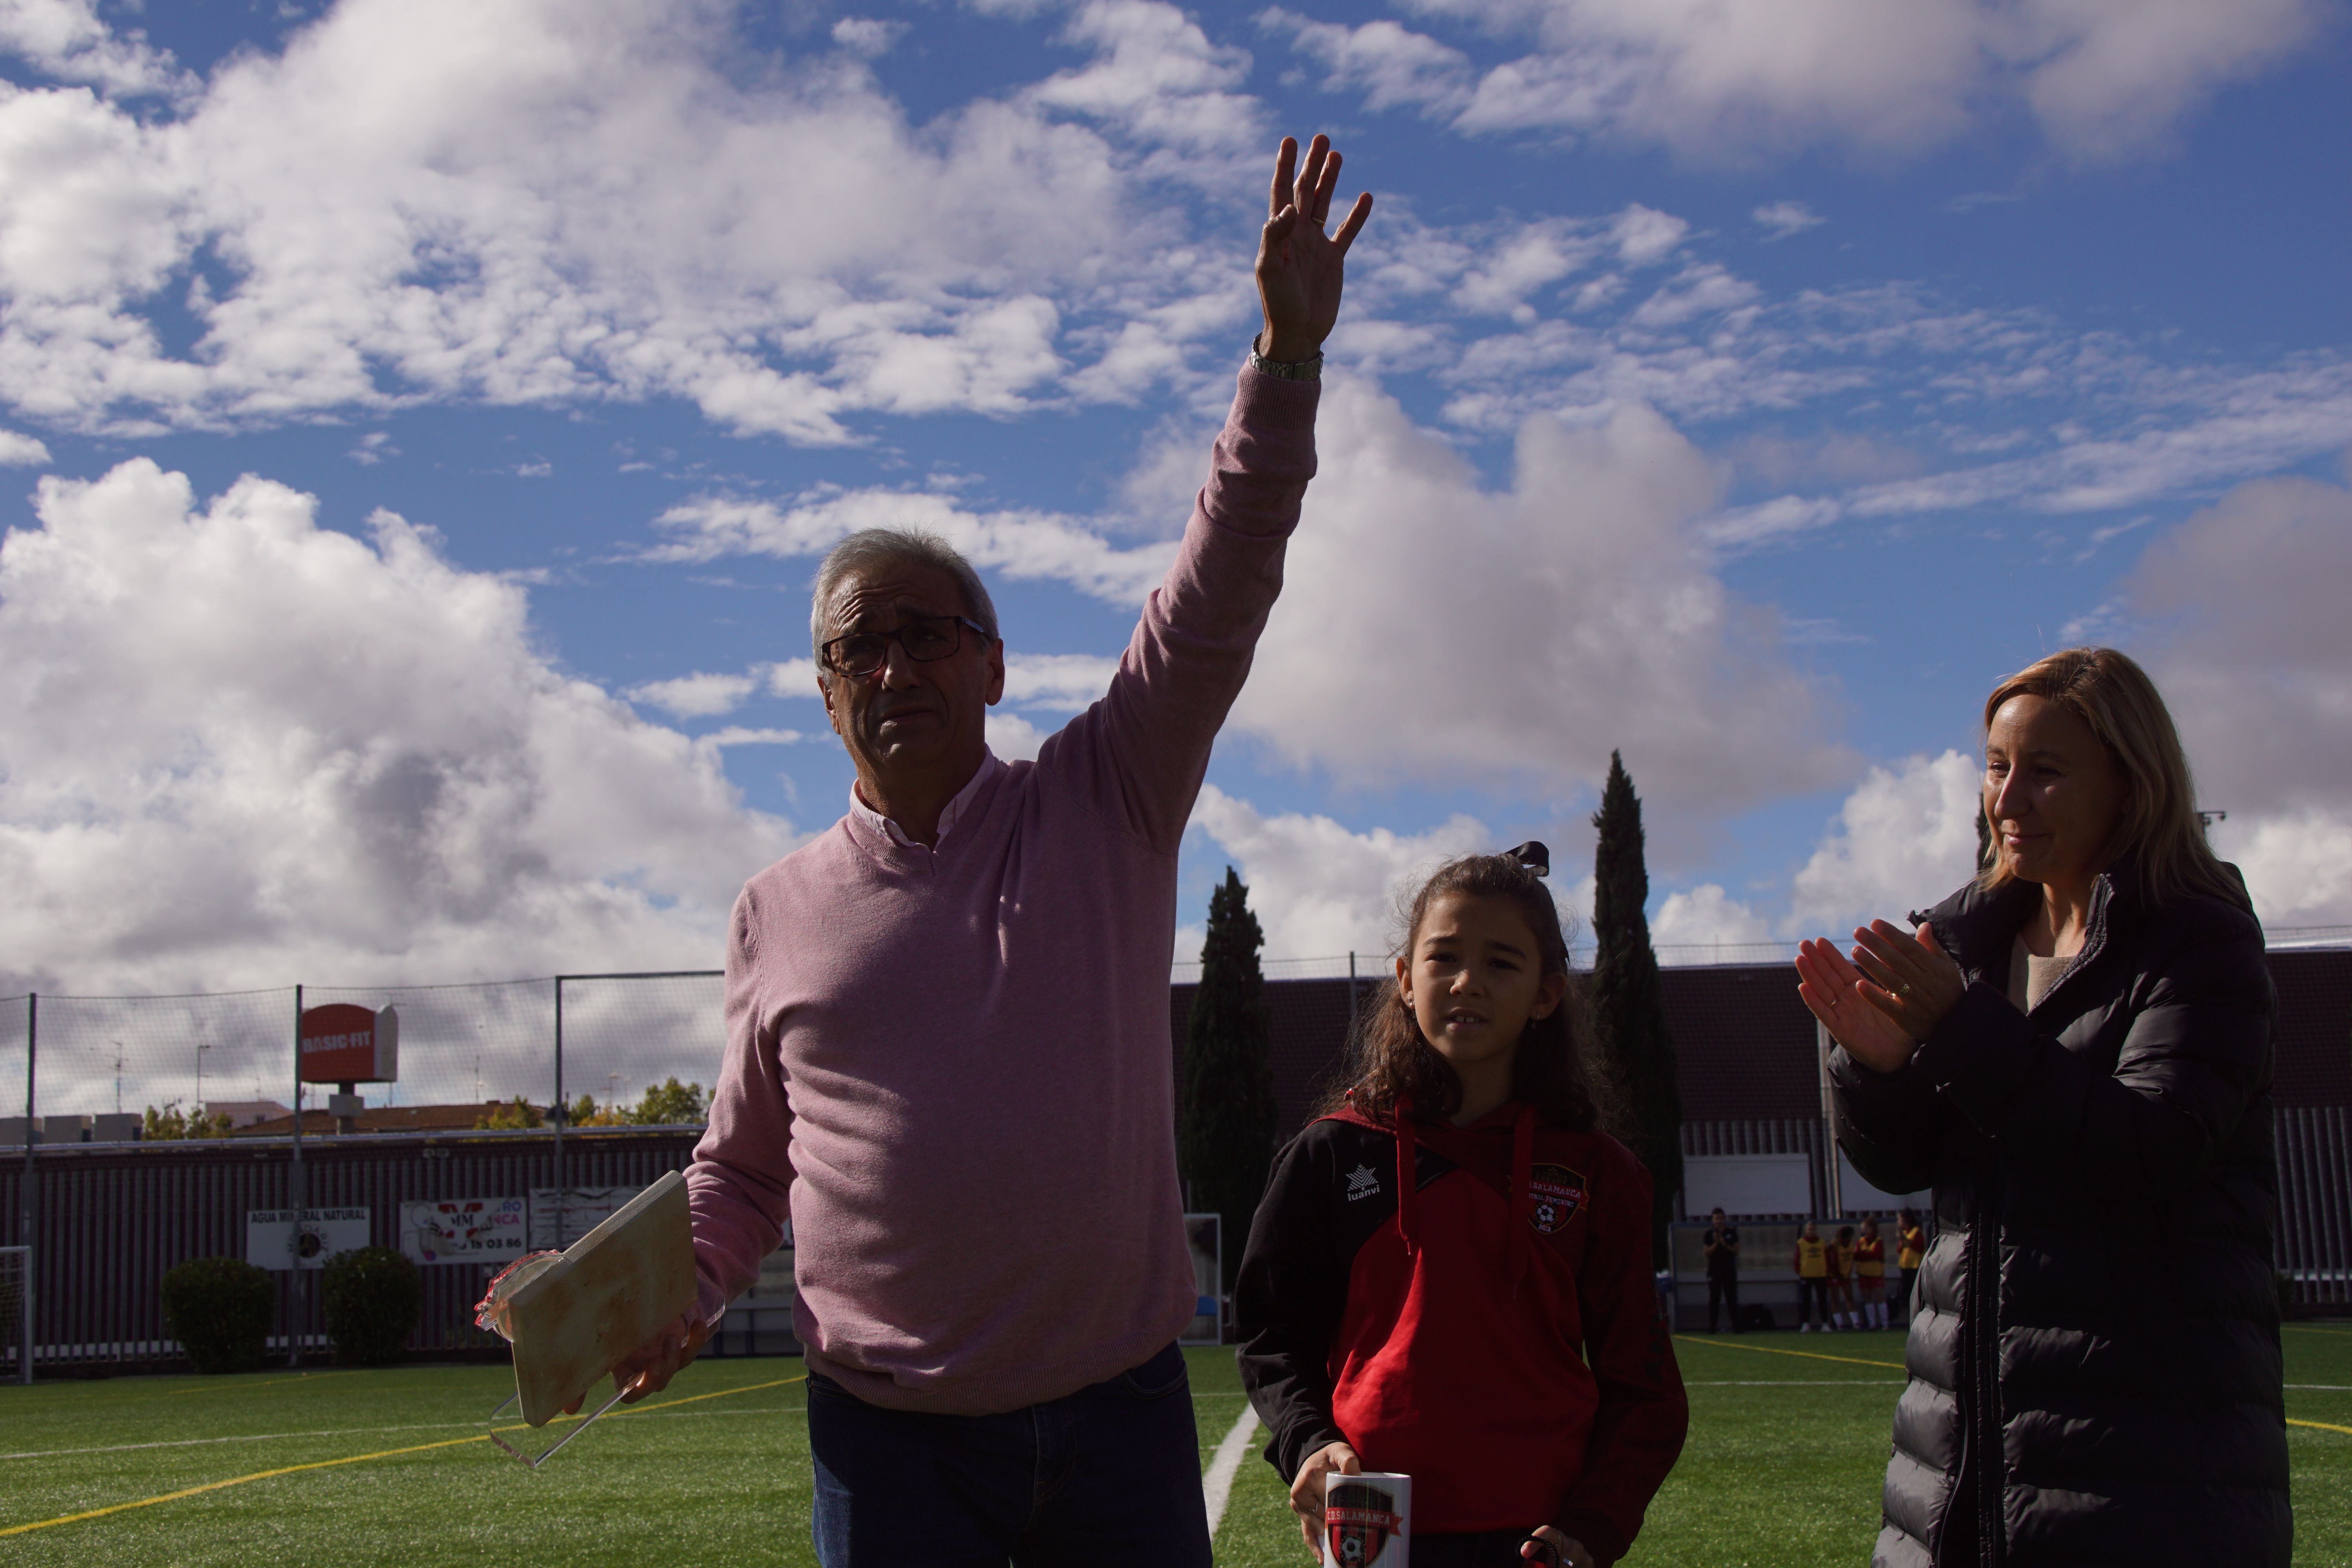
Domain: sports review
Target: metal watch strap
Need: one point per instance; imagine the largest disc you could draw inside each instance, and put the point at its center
(1287, 370)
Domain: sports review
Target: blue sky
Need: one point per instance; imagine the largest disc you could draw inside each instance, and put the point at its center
(1744, 386)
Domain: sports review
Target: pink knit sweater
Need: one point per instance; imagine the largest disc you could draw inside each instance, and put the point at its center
(951, 1068)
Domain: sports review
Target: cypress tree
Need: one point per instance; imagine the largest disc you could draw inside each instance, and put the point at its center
(1228, 1118)
(1628, 1015)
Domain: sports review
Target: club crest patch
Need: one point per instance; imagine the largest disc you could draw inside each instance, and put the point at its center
(1360, 1518)
(1559, 1194)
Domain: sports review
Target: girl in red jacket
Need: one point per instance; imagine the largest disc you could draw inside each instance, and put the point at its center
(1450, 1275)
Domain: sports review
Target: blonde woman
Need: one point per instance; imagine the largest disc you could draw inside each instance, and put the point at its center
(2075, 1052)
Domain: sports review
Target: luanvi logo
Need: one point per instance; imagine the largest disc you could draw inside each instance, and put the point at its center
(1362, 1183)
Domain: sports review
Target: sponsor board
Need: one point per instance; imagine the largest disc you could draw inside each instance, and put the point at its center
(274, 1240)
(464, 1230)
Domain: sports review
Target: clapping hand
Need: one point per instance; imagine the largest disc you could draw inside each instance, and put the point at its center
(1887, 998)
(1300, 267)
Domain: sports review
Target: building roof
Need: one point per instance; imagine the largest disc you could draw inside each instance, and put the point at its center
(1744, 1043)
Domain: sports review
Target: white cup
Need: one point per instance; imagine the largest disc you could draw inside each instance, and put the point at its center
(1367, 1520)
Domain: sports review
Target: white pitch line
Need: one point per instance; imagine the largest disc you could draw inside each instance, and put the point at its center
(1217, 1480)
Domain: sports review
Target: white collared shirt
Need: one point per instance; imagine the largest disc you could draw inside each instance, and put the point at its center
(989, 768)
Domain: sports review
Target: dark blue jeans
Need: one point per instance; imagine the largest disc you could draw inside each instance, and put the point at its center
(1110, 1475)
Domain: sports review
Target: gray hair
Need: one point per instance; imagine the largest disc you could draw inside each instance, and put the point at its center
(875, 547)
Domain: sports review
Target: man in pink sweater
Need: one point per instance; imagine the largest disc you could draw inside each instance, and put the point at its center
(948, 1058)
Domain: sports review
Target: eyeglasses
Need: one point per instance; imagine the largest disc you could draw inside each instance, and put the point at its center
(934, 637)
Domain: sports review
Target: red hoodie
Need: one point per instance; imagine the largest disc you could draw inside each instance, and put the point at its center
(1488, 1327)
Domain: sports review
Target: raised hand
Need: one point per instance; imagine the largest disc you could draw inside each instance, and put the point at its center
(1835, 992)
(1299, 266)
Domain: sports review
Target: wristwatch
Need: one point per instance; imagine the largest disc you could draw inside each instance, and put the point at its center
(1286, 370)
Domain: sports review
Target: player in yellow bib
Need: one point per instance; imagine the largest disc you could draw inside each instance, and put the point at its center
(1812, 1265)
(1870, 1275)
(1910, 1251)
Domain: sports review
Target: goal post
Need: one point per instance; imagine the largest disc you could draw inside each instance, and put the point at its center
(17, 1307)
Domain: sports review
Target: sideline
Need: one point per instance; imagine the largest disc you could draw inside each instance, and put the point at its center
(1217, 1480)
(357, 1459)
(1774, 1349)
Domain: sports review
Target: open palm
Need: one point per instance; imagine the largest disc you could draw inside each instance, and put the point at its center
(1299, 266)
(1833, 988)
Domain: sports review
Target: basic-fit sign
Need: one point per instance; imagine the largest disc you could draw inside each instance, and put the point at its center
(345, 1043)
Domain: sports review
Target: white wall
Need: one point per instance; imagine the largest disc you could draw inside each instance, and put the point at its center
(1747, 1184)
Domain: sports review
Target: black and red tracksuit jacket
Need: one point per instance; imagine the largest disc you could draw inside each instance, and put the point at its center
(1489, 1326)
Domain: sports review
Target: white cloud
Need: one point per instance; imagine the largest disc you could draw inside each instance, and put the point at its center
(2298, 866)
(1063, 681)
(66, 40)
(1431, 629)
(1781, 220)
(695, 696)
(1735, 79)
(1023, 544)
(322, 760)
(1644, 235)
(868, 37)
(559, 200)
(1014, 738)
(1706, 916)
(2239, 614)
(1389, 64)
(791, 678)
(1319, 889)
(19, 451)
(1904, 839)
(1157, 77)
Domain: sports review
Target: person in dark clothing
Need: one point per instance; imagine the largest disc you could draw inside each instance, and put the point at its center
(2075, 1052)
(1449, 1275)
(1721, 1246)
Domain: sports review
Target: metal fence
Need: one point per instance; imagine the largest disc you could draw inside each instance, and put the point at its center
(84, 1069)
(107, 1221)
(2314, 1167)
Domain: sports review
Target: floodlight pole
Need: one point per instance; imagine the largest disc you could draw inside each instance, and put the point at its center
(31, 1057)
(558, 1116)
(294, 1183)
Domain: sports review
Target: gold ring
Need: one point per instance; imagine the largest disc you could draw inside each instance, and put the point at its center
(1903, 990)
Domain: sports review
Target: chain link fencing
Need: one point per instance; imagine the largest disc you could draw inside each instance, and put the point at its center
(610, 1049)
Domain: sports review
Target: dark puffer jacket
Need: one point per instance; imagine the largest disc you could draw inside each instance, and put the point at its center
(2095, 1358)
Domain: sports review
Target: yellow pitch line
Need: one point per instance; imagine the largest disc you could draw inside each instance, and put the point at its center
(2320, 1427)
(355, 1459)
(265, 1383)
(2307, 1329)
(236, 1481)
(1770, 1349)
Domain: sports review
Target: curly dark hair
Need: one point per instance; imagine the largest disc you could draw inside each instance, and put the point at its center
(1555, 1068)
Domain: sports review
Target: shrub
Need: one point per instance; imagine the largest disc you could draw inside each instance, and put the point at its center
(373, 1298)
(219, 1308)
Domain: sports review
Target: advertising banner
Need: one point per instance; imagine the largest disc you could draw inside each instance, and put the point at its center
(559, 1219)
(273, 1239)
(342, 1043)
(464, 1230)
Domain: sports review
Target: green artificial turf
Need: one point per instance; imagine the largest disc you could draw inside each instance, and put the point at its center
(1788, 1441)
